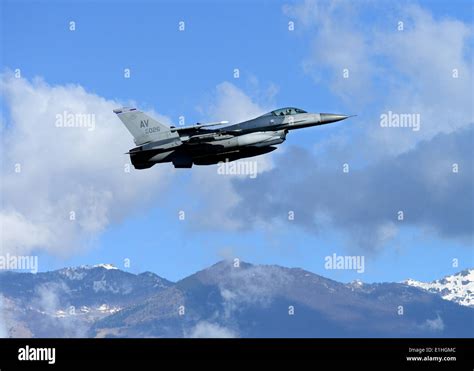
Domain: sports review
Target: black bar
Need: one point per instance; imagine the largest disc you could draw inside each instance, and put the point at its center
(93, 352)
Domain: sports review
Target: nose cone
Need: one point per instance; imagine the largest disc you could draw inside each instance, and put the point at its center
(327, 118)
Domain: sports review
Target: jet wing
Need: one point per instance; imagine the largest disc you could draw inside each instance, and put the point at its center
(203, 136)
(197, 126)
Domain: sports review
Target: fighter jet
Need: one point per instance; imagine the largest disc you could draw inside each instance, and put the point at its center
(207, 144)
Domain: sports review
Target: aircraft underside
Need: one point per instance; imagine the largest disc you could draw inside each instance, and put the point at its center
(183, 158)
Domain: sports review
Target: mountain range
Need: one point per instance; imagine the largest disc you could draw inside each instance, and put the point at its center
(230, 300)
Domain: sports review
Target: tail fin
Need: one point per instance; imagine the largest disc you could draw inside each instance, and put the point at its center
(143, 128)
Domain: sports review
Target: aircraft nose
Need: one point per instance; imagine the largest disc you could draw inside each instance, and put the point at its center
(327, 118)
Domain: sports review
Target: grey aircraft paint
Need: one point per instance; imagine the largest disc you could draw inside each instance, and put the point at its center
(201, 145)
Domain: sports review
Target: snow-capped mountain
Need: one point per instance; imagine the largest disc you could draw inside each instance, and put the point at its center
(225, 300)
(273, 301)
(458, 287)
(66, 302)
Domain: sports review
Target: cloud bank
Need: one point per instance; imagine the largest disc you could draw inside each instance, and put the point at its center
(365, 203)
(423, 69)
(64, 185)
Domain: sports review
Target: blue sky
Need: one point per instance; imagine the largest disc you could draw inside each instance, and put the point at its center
(179, 73)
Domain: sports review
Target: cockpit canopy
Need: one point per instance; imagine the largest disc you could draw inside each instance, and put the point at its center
(287, 111)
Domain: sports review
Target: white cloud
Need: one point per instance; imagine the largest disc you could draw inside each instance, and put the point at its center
(337, 44)
(436, 324)
(232, 104)
(205, 329)
(252, 285)
(425, 56)
(47, 300)
(78, 173)
(64, 170)
(409, 71)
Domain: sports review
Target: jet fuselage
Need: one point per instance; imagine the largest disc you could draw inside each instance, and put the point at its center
(201, 145)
